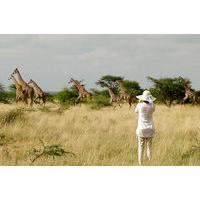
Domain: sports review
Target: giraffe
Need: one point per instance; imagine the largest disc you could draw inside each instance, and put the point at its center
(83, 93)
(191, 94)
(27, 90)
(39, 93)
(124, 94)
(113, 97)
(19, 91)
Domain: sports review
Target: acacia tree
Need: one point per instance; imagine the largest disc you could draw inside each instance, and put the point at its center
(167, 90)
(133, 87)
(108, 80)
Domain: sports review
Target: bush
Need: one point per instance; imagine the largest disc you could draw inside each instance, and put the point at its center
(67, 96)
(5, 97)
(99, 101)
(50, 97)
(49, 151)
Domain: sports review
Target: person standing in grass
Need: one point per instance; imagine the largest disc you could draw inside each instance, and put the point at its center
(145, 129)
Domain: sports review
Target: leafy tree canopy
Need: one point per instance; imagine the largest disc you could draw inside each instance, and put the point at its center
(132, 86)
(108, 80)
(169, 89)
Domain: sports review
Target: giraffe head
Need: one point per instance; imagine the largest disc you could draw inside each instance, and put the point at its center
(10, 77)
(109, 87)
(71, 81)
(187, 87)
(30, 82)
(16, 71)
(118, 81)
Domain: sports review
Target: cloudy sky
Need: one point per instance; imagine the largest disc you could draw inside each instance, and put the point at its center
(51, 60)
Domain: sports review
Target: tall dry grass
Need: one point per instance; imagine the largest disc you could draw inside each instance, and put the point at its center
(82, 136)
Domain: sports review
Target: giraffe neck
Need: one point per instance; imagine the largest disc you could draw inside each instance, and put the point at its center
(15, 82)
(77, 85)
(122, 88)
(112, 95)
(36, 87)
(19, 79)
(190, 92)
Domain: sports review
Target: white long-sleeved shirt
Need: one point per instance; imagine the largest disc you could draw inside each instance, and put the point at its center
(145, 126)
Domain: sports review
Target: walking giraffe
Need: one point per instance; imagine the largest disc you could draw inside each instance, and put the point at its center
(113, 97)
(19, 92)
(124, 94)
(27, 90)
(39, 93)
(83, 93)
(191, 94)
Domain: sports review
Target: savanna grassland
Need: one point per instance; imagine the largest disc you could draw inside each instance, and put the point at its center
(81, 136)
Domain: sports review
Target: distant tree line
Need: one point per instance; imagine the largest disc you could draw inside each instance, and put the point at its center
(166, 90)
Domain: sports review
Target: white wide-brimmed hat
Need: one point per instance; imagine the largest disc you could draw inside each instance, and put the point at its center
(146, 96)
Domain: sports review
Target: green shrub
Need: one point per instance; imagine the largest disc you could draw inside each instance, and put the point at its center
(48, 151)
(98, 102)
(5, 97)
(67, 96)
(50, 97)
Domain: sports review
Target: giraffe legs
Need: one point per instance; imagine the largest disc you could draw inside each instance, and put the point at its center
(38, 99)
(116, 103)
(25, 99)
(185, 99)
(35, 100)
(130, 99)
(78, 100)
(17, 99)
(197, 100)
(44, 98)
(28, 94)
(119, 103)
(31, 95)
(31, 101)
(194, 100)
